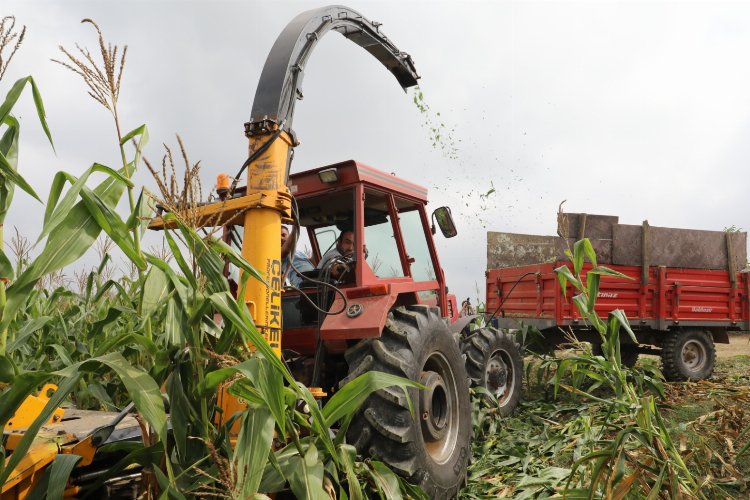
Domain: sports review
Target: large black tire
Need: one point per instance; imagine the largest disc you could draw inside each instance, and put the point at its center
(688, 355)
(430, 447)
(493, 361)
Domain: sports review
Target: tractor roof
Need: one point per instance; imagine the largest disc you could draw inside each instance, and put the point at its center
(349, 173)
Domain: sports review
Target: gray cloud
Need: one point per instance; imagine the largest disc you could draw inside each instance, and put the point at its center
(638, 110)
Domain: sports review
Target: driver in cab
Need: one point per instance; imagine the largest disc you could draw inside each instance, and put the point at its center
(344, 249)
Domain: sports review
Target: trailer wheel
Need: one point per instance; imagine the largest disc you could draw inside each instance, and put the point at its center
(688, 355)
(493, 361)
(430, 447)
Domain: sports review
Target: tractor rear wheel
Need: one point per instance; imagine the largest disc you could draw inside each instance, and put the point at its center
(493, 361)
(430, 447)
(688, 355)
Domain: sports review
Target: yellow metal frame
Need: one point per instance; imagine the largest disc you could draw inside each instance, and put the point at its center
(220, 213)
(261, 246)
(29, 470)
(31, 407)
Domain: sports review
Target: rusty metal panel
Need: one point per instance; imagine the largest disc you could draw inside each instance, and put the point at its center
(510, 249)
(690, 248)
(595, 226)
(602, 247)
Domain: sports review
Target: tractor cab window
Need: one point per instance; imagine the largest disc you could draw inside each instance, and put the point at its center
(325, 217)
(326, 237)
(381, 250)
(415, 241)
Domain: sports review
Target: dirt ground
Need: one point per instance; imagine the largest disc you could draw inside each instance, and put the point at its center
(739, 344)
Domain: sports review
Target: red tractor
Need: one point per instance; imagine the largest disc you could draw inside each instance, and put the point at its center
(382, 304)
(372, 295)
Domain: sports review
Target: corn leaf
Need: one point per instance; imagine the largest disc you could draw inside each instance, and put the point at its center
(113, 225)
(181, 411)
(265, 378)
(141, 131)
(349, 398)
(241, 319)
(154, 291)
(28, 329)
(592, 283)
(385, 480)
(142, 214)
(578, 255)
(619, 315)
(211, 264)
(115, 343)
(12, 97)
(347, 458)
(176, 284)
(6, 266)
(235, 258)
(564, 276)
(9, 148)
(55, 213)
(179, 259)
(9, 174)
(605, 271)
(65, 244)
(60, 471)
(253, 447)
(306, 475)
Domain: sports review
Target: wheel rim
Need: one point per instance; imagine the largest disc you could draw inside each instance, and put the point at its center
(694, 355)
(439, 408)
(498, 375)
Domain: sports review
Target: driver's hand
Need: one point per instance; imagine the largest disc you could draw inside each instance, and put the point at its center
(339, 269)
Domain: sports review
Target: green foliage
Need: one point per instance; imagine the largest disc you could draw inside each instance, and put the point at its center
(169, 328)
(532, 454)
(595, 431)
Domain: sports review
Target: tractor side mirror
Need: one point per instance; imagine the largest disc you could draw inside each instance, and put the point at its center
(445, 220)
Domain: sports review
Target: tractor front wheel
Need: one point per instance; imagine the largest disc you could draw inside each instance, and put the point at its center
(493, 361)
(431, 446)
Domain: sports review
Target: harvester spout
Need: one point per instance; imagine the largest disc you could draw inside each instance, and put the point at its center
(272, 140)
(281, 79)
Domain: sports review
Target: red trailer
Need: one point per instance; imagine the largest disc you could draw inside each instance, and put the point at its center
(677, 312)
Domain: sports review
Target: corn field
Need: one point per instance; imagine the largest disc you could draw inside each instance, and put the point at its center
(168, 336)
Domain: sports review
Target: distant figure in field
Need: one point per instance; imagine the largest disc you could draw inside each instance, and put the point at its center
(467, 309)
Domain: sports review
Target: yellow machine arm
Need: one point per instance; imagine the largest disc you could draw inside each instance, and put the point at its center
(272, 140)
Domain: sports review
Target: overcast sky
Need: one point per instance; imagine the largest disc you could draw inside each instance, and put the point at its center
(640, 110)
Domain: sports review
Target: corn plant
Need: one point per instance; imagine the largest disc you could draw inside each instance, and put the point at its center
(174, 326)
(635, 451)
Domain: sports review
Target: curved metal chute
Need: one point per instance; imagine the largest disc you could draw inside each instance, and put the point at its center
(282, 74)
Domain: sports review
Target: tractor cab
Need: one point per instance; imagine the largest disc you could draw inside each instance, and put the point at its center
(393, 261)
